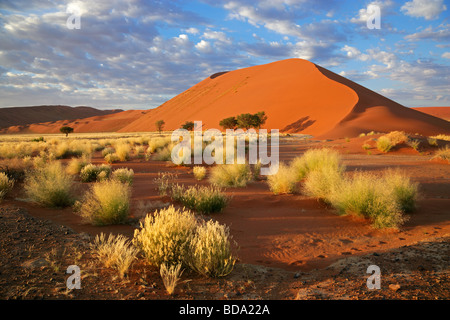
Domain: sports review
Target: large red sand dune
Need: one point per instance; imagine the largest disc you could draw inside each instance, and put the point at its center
(296, 95)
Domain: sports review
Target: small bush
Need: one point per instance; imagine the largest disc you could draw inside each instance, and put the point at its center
(107, 202)
(164, 154)
(367, 195)
(284, 181)
(110, 158)
(414, 143)
(432, 142)
(165, 236)
(164, 182)
(115, 252)
(366, 146)
(441, 137)
(384, 144)
(170, 276)
(6, 185)
(202, 199)
(76, 165)
(443, 154)
(199, 172)
(123, 151)
(322, 183)
(231, 175)
(123, 175)
(50, 185)
(404, 191)
(107, 151)
(92, 172)
(316, 159)
(210, 251)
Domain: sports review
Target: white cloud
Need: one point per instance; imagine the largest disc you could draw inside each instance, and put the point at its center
(363, 14)
(446, 55)
(428, 9)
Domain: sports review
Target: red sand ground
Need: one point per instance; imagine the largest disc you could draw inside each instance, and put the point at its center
(297, 96)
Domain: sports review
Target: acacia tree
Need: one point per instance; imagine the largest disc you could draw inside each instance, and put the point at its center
(188, 125)
(66, 130)
(261, 118)
(159, 125)
(228, 123)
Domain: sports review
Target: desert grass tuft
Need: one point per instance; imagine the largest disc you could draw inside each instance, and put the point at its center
(6, 185)
(283, 181)
(50, 185)
(164, 236)
(231, 175)
(199, 172)
(210, 251)
(123, 175)
(106, 203)
(171, 276)
(115, 252)
(202, 199)
(316, 159)
(443, 154)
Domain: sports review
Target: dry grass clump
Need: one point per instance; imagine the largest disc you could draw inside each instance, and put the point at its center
(202, 199)
(110, 158)
(91, 172)
(322, 183)
(433, 142)
(164, 236)
(50, 185)
(115, 252)
(156, 144)
(77, 164)
(107, 150)
(164, 182)
(442, 154)
(210, 252)
(6, 185)
(164, 154)
(199, 172)
(123, 151)
(316, 159)
(170, 276)
(388, 141)
(231, 175)
(123, 175)
(381, 199)
(284, 181)
(441, 137)
(174, 238)
(106, 203)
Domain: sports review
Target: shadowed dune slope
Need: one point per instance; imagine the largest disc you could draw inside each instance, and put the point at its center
(440, 112)
(297, 96)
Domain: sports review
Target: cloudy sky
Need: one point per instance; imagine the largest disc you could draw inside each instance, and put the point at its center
(137, 54)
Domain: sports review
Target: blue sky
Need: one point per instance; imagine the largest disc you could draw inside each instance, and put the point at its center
(137, 54)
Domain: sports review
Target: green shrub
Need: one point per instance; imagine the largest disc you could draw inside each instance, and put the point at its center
(164, 237)
(210, 252)
(123, 175)
(231, 175)
(92, 172)
(203, 199)
(107, 202)
(50, 185)
(284, 181)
